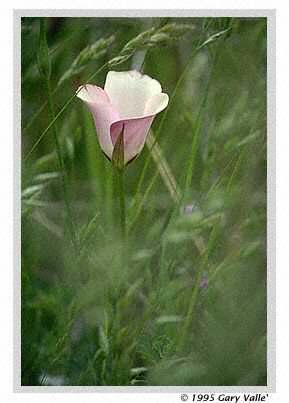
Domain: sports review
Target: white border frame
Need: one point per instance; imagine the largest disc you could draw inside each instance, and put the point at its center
(270, 14)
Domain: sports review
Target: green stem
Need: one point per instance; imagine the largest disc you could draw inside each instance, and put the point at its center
(61, 166)
(121, 195)
(122, 210)
(108, 195)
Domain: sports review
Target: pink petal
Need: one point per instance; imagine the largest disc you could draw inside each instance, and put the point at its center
(136, 129)
(130, 101)
(135, 133)
(104, 114)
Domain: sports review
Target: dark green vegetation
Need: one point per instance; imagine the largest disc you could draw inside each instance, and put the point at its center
(187, 306)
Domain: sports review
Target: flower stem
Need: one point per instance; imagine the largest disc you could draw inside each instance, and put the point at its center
(122, 204)
(122, 210)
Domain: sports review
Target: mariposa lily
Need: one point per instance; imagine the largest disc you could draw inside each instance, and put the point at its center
(125, 107)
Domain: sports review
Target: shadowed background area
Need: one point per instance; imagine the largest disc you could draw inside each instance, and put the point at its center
(188, 306)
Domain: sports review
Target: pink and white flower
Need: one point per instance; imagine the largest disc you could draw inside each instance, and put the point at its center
(129, 102)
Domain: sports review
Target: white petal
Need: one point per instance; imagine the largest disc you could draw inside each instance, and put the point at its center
(129, 92)
(156, 104)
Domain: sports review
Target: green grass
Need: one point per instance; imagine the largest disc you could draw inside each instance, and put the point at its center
(184, 302)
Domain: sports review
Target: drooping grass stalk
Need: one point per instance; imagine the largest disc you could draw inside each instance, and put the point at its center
(159, 130)
(163, 167)
(199, 45)
(167, 176)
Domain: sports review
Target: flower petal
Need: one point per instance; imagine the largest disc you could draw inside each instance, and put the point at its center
(92, 93)
(135, 133)
(129, 102)
(156, 104)
(104, 114)
(129, 91)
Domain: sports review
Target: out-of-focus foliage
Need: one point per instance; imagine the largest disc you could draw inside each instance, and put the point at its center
(189, 307)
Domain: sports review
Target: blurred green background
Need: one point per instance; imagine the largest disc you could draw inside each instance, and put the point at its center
(189, 307)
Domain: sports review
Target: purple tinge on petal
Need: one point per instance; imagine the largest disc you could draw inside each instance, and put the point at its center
(135, 133)
(104, 114)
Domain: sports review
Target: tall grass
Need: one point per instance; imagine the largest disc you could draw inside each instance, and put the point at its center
(185, 302)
